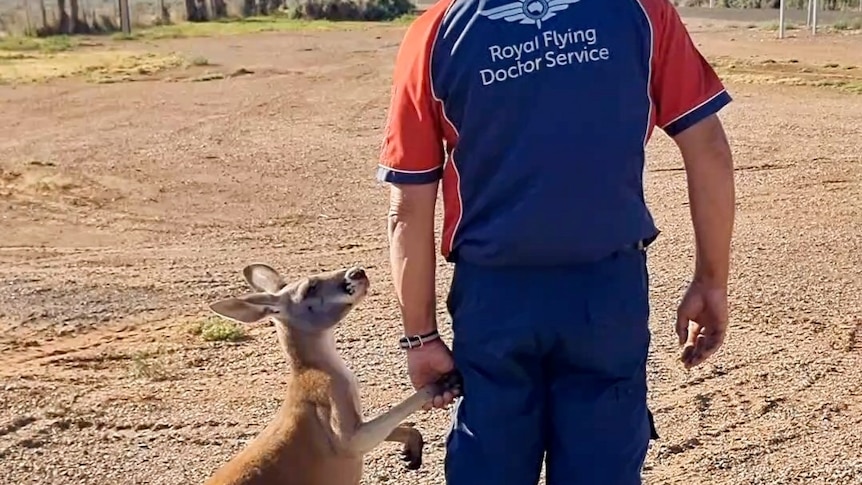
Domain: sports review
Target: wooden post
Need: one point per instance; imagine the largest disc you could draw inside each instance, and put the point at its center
(125, 17)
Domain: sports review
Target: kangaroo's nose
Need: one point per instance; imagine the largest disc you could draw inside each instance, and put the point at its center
(356, 274)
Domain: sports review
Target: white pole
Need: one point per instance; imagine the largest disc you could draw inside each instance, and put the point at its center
(711, 3)
(808, 16)
(781, 19)
(814, 18)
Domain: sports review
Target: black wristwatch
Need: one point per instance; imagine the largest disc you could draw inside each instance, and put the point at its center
(411, 342)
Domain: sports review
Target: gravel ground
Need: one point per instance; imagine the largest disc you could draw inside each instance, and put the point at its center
(126, 208)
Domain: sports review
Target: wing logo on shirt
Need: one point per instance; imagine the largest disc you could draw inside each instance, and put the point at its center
(528, 11)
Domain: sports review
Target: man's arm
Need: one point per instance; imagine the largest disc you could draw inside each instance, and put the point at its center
(688, 95)
(411, 162)
(412, 255)
(709, 170)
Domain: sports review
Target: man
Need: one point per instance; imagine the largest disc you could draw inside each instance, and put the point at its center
(535, 115)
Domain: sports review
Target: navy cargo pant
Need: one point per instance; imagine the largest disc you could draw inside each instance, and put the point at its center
(554, 363)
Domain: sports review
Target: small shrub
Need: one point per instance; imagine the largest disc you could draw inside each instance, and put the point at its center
(218, 329)
(848, 24)
(355, 10)
(199, 61)
(144, 368)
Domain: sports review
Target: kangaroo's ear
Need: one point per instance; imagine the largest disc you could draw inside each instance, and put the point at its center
(248, 308)
(263, 278)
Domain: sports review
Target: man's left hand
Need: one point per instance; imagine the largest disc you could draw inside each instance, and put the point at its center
(701, 322)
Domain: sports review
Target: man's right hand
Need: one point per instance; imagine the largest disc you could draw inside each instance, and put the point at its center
(426, 365)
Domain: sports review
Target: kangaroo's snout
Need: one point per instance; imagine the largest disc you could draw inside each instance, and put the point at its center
(356, 274)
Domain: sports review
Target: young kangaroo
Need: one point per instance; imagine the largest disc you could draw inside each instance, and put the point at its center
(318, 436)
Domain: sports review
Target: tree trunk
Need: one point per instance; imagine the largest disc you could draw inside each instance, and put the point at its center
(164, 14)
(73, 17)
(63, 22)
(248, 8)
(219, 9)
(195, 11)
(44, 14)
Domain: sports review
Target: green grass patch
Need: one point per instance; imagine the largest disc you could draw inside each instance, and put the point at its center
(848, 24)
(250, 25)
(217, 329)
(47, 45)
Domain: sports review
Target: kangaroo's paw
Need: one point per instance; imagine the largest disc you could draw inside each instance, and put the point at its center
(451, 382)
(411, 454)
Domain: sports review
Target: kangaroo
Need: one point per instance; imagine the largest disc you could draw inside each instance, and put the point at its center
(318, 436)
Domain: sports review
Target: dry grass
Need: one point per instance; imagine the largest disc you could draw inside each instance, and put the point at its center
(148, 367)
(791, 72)
(32, 60)
(93, 66)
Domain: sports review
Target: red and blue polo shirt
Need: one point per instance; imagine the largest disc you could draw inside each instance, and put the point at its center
(536, 114)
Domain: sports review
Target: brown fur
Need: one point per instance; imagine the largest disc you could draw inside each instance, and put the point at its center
(318, 436)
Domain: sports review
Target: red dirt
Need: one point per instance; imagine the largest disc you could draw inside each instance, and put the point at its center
(126, 208)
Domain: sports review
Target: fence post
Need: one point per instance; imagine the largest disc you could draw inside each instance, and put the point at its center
(781, 7)
(814, 18)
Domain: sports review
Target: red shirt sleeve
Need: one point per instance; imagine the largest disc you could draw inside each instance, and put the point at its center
(685, 88)
(413, 150)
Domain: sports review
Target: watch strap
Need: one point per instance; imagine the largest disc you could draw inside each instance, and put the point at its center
(414, 341)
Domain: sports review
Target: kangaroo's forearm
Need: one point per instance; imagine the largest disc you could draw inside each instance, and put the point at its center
(373, 432)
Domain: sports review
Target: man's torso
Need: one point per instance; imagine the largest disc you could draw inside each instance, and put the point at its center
(550, 103)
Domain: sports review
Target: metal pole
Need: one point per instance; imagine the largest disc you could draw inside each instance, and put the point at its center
(711, 3)
(781, 7)
(808, 16)
(814, 18)
(125, 17)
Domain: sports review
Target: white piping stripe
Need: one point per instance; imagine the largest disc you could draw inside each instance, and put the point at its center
(701, 105)
(450, 159)
(417, 172)
(649, 78)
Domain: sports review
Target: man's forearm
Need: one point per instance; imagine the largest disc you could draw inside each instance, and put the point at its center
(412, 259)
(711, 192)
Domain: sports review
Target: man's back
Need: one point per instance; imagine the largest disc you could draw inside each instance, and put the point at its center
(546, 107)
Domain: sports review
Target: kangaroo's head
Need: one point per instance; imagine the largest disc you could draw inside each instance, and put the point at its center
(311, 304)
